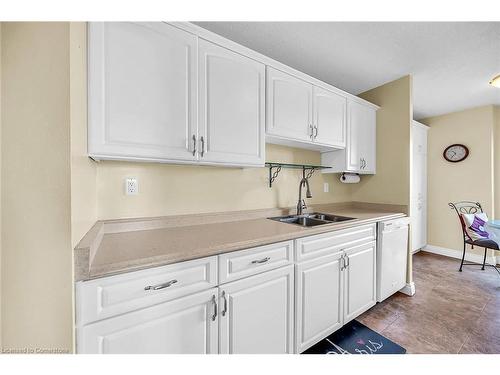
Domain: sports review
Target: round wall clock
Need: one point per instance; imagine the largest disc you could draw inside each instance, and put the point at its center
(455, 153)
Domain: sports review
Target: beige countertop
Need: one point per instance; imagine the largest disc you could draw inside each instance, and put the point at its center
(118, 246)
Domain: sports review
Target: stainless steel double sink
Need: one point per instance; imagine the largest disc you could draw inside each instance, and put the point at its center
(312, 219)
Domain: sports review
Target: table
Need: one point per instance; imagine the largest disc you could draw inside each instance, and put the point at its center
(493, 228)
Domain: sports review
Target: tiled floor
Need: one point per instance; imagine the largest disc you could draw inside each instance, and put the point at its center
(451, 312)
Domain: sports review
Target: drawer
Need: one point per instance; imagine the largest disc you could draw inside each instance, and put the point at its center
(109, 296)
(238, 264)
(323, 244)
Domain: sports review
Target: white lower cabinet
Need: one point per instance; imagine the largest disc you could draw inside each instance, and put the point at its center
(185, 325)
(269, 305)
(359, 280)
(333, 289)
(165, 309)
(256, 314)
(319, 299)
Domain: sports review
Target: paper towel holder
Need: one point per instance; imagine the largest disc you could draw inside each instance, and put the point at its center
(343, 178)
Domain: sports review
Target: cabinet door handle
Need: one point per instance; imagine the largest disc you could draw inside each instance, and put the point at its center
(194, 145)
(343, 262)
(348, 261)
(214, 302)
(311, 128)
(160, 286)
(264, 260)
(316, 132)
(202, 146)
(224, 311)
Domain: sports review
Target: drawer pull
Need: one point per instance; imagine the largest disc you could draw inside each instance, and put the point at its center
(260, 261)
(214, 302)
(161, 286)
(225, 303)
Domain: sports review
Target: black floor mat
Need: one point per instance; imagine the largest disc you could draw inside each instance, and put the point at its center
(355, 338)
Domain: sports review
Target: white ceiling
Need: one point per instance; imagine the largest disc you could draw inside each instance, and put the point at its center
(451, 62)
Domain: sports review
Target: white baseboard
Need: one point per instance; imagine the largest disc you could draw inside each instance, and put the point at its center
(452, 253)
(408, 289)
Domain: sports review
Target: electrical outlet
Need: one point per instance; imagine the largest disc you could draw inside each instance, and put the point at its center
(326, 187)
(131, 186)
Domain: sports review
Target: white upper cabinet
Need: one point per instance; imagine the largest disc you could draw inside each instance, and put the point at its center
(329, 118)
(158, 93)
(289, 106)
(303, 115)
(142, 91)
(176, 93)
(231, 106)
(359, 156)
(362, 138)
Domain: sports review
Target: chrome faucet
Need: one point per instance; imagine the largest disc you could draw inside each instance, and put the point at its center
(301, 204)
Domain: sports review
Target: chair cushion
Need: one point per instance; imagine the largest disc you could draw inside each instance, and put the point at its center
(490, 244)
(475, 226)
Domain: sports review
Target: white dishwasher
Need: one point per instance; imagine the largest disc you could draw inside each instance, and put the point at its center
(392, 254)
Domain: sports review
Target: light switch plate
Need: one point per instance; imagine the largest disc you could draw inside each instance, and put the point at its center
(326, 187)
(131, 186)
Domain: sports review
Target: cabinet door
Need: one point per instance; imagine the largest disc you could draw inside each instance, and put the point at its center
(184, 325)
(257, 314)
(362, 138)
(318, 300)
(361, 156)
(368, 141)
(231, 107)
(142, 91)
(359, 280)
(329, 118)
(354, 132)
(289, 106)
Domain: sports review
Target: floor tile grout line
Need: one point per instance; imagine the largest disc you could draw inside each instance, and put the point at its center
(390, 324)
(466, 340)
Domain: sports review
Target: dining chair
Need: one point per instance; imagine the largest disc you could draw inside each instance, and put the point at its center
(469, 207)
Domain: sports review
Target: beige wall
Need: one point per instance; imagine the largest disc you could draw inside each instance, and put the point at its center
(471, 179)
(174, 189)
(36, 238)
(391, 183)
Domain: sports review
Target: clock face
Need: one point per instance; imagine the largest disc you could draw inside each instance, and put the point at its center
(456, 153)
